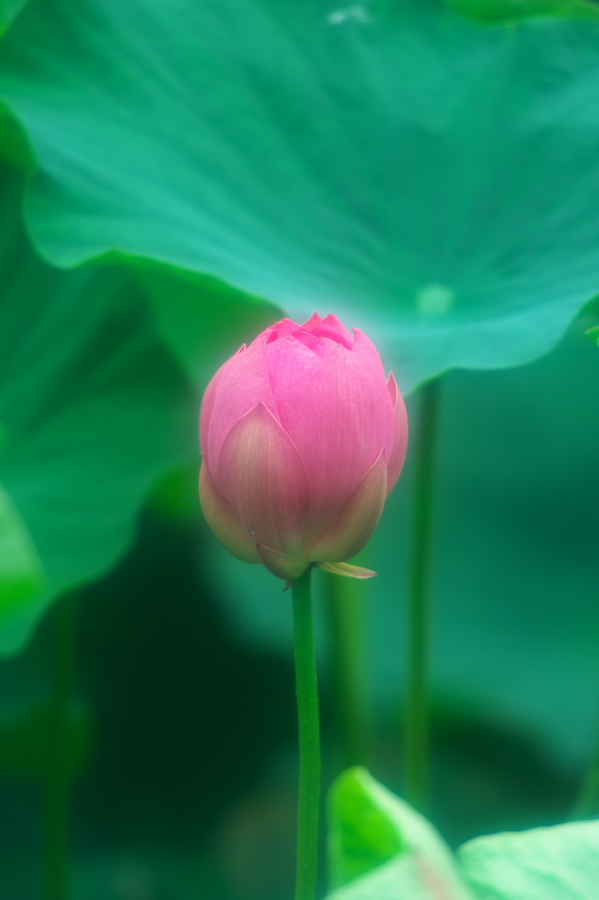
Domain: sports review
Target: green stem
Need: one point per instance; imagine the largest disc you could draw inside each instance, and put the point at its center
(58, 786)
(587, 804)
(417, 701)
(309, 740)
(345, 609)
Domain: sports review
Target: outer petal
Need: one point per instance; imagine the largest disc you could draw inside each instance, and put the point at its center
(339, 416)
(364, 346)
(400, 441)
(235, 389)
(263, 478)
(221, 519)
(354, 524)
(288, 359)
(281, 564)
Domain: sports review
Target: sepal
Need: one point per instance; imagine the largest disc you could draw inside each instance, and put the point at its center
(341, 568)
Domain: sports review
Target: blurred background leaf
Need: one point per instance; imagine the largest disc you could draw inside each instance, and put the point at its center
(593, 334)
(24, 743)
(506, 11)
(8, 10)
(203, 320)
(93, 412)
(421, 176)
(22, 577)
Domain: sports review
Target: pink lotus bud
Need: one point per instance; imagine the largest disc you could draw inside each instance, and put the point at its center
(303, 439)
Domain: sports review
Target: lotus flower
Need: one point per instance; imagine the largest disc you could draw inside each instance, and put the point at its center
(302, 441)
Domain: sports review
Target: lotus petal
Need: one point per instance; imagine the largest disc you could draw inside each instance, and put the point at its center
(223, 522)
(263, 478)
(353, 526)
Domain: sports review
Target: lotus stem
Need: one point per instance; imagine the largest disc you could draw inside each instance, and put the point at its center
(59, 782)
(309, 739)
(416, 738)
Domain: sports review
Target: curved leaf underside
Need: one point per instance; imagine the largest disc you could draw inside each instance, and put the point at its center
(92, 412)
(422, 176)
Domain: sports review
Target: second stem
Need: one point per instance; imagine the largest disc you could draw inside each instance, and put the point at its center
(416, 738)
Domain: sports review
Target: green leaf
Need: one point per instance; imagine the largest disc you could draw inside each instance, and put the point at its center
(424, 177)
(203, 321)
(383, 849)
(593, 334)
(560, 863)
(15, 149)
(94, 411)
(8, 11)
(504, 11)
(22, 579)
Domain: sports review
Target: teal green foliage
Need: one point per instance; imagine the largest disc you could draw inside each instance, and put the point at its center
(422, 176)
(93, 412)
(22, 579)
(8, 10)
(180, 175)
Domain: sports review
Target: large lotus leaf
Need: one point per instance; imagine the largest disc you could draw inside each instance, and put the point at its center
(93, 411)
(15, 150)
(560, 863)
(8, 10)
(425, 177)
(202, 320)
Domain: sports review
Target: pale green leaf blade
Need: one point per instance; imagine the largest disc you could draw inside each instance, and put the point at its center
(559, 863)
